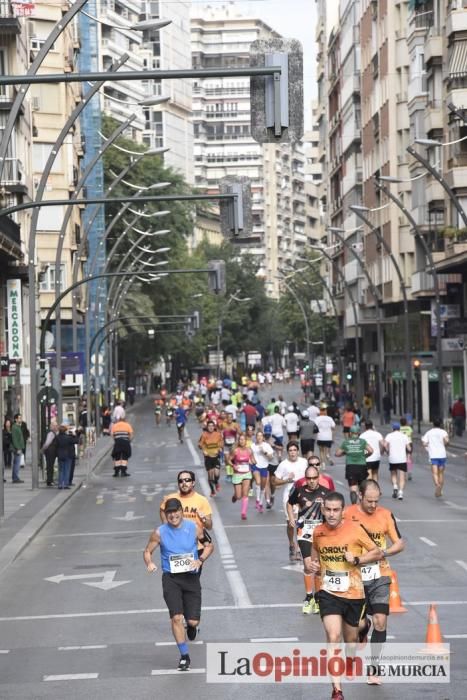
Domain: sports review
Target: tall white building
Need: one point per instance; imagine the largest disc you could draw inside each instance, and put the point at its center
(169, 124)
(223, 144)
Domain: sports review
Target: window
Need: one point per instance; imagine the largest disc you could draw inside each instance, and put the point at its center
(48, 282)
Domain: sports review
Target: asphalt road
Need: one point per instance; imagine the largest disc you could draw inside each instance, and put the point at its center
(81, 618)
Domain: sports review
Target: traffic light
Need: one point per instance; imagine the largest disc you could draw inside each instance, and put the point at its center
(416, 364)
(235, 212)
(277, 102)
(195, 320)
(216, 277)
(43, 374)
(349, 376)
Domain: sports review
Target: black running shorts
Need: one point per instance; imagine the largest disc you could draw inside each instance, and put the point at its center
(182, 595)
(350, 610)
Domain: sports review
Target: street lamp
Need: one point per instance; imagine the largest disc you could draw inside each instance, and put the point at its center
(233, 297)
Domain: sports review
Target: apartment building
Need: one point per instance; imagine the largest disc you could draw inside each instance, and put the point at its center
(15, 187)
(224, 146)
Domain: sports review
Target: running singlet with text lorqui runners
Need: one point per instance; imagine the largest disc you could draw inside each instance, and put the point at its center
(377, 525)
(338, 576)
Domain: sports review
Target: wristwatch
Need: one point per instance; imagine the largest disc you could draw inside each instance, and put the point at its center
(356, 561)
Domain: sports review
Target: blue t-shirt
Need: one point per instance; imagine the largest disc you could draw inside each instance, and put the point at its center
(177, 540)
(180, 415)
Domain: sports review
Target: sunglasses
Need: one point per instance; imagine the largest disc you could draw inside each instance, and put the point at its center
(185, 481)
(313, 464)
(312, 478)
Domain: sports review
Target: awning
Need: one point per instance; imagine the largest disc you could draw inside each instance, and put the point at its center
(458, 60)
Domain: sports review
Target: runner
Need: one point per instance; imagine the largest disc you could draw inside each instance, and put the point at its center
(211, 444)
(158, 404)
(122, 433)
(292, 424)
(356, 450)
(241, 458)
(325, 425)
(263, 453)
(376, 442)
(230, 433)
(277, 426)
(272, 466)
(289, 470)
(307, 435)
(397, 446)
(407, 430)
(180, 421)
(178, 541)
(308, 499)
(380, 524)
(339, 549)
(324, 479)
(348, 420)
(435, 441)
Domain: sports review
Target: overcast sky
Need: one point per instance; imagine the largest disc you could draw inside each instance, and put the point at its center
(294, 19)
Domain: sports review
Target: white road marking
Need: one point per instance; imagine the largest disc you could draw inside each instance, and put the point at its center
(428, 542)
(4, 651)
(229, 527)
(455, 636)
(236, 582)
(462, 564)
(89, 646)
(298, 567)
(274, 639)
(72, 677)
(106, 584)
(111, 533)
(129, 515)
(455, 506)
(175, 672)
(457, 520)
(208, 608)
(341, 483)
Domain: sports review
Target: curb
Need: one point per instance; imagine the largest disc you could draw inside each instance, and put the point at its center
(20, 541)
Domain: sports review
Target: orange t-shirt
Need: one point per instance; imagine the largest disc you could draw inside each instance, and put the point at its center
(378, 525)
(338, 577)
(348, 419)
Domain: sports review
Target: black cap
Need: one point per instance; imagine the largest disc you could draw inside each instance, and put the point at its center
(172, 504)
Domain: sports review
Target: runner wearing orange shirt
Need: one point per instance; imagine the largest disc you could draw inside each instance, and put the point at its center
(339, 548)
(211, 444)
(380, 524)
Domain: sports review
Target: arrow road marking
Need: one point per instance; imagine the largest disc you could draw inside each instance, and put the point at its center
(455, 506)
(129, 515)
(106, 583)
(294, 567)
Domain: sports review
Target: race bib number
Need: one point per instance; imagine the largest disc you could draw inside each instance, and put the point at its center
(181, 563)
(179, 425)
(306, 532)
(229, 440)
(242, 468)
(336, 581)
(370, 572)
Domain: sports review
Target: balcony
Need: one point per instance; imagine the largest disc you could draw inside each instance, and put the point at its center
(456, 22)
(351, 271)
(433, 48)
(422, 282)
(9, 21)
(434, 115)
(13, 176)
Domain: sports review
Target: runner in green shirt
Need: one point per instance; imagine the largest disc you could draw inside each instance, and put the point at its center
(356, 450)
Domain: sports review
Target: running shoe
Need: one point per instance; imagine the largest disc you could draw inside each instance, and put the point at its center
(234, 499)
(257, 505)
(272, 500)
(315, 607)
(260, 508)
(191, 632)
(307, 607)
(400, 495)
(268, 505)
(243, 516)
(394, 493)
(250, 493)
(409, 477)
(184, 663)
(337, 694)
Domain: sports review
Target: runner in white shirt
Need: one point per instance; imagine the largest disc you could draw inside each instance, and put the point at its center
(263, 453)
(325, 425)
(290, 470)
(277, 425)
(313, 411)
(435, 441)
(232, 409)
(292, 423)
(376, 442)
(397, 445)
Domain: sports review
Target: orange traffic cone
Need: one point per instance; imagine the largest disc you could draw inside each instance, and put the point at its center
(434, 638)
(395, 605)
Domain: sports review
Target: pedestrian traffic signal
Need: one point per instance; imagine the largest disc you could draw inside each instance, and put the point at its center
(416, 364)
(235, 212)
(216, 278)
(348, 376)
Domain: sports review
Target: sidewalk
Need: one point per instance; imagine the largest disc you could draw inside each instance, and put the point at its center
(27, 511)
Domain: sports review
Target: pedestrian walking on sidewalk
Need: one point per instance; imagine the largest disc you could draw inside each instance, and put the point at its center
(180, 562)
(49, 450)
(19, 445)
(7, 447)
(458, 416)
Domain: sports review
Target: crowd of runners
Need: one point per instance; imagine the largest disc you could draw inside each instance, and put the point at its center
(276, 455)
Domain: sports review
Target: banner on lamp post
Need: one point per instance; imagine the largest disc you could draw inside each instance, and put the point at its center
(15, 320)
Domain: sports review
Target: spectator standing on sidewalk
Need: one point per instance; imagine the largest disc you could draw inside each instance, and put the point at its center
(19, 445)
(387, 406)
(49, 450)
(6, 437)
(458, 416)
